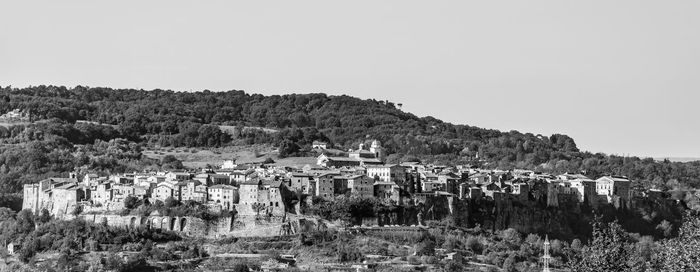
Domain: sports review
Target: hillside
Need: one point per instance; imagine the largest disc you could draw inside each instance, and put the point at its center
(163, 118)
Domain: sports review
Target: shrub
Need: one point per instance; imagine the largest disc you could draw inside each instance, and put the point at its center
(474, 244)
(425, 247)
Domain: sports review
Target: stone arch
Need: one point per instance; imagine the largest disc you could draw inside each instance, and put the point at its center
(183, 223)
(132, 222)
(172, 223)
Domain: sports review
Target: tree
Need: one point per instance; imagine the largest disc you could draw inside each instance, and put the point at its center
(287, 148)
(610, 250)
(130, 202)
(77, 210)
(682, 253)
(171, 162)
(25, 221)
(44, 216)
(171, 202)
(509, 263)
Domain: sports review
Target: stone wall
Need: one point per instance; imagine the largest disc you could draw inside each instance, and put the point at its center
(241, 226)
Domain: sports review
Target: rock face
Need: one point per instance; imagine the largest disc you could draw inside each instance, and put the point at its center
(243, 226)
(565, 221)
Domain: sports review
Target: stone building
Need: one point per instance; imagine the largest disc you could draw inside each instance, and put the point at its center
(223, 195)
(194, 190)
(303, 182)
(41, 195)
(164, 190)
(360, 185)
(387, 173)
(614, 186)
(324, 185)
(66, 198)
(263, 197)
(384, 189)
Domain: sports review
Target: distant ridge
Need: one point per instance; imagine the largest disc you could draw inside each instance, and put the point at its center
(678, 159)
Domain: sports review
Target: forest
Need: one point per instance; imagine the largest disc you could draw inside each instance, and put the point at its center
(68, 124)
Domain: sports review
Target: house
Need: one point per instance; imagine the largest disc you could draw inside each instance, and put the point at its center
(248, 192)
(559, 192)
(387, 173)
(474, 193)
(156, 179)
(413, 166)
(360, 153)
(195, 191)
(90, 180)
(263, 197)
(122, 191)
(429, 177)
(229, 164)
(483, 178)
(359, 157)
(384, 189)
(360, 185)
(103, 193)
(41, 195)
(432, 186)
(586, 188)
(319, 145)
(614, 186)
(242, 176)
(450, 181)
(123, 179)
(164, 190)
(144, 191)
(325, 185)
(177, 176)
(327, 161)
(490, 188)
(302, 182)
(270, 195)
(223, 195)
(219, 179)
(66, 198)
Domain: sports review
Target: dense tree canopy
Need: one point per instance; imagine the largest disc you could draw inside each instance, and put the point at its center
(292, 122)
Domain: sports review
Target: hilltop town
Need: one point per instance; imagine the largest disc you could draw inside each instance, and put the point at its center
(254, 189)
(127, 182)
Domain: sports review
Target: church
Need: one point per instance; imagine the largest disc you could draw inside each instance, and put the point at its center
(360, 157)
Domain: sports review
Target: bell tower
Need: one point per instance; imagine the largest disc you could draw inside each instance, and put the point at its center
(377, 149)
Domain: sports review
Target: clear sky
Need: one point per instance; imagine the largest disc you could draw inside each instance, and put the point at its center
(620, 77)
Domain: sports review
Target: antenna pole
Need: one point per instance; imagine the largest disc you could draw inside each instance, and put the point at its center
(546, 258)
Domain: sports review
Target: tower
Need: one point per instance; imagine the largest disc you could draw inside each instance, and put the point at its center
(377, 150)
(546, 258)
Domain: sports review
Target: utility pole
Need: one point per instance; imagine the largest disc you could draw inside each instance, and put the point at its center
(546, 258)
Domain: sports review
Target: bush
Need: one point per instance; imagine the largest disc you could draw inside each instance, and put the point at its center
(474, 244)
(425, 247)
(428, 259)
(509, 264)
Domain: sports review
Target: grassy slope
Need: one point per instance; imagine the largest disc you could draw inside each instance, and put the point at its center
(199, 158)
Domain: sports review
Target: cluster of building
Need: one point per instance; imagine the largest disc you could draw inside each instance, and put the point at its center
(15, 115)
(259, 187)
